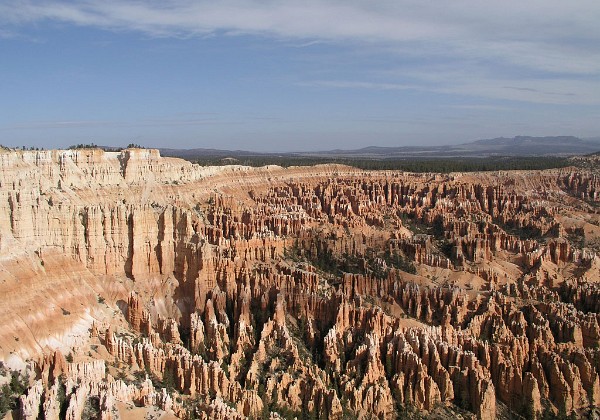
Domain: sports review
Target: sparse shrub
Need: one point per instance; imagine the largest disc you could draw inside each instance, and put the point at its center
(169, 380)
(91, 410)
(10, 393)
(84, 146)
(7, 401)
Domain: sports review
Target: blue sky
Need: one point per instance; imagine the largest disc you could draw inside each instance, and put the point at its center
(287, 75)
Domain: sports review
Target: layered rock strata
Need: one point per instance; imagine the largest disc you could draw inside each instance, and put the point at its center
(329, 291)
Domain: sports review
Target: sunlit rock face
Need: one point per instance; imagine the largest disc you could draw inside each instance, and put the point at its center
(137, 285)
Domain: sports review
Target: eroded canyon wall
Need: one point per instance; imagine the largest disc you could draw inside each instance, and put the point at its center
(325, 291)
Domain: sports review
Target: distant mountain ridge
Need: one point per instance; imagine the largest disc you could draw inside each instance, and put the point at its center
(500, 146)
(520, 140)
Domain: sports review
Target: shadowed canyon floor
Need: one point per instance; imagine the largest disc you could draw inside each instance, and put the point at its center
(136, 286)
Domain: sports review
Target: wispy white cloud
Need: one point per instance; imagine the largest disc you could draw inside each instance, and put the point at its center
(6, 34)
(542, 32)
(543, 91)
(179, 120)
(49, 125)
(75, 124)
(358, 85)
(307, 44)
(481, 107)
(527, 89)
(555, 40)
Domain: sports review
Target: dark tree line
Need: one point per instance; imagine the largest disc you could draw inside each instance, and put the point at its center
(442, 165)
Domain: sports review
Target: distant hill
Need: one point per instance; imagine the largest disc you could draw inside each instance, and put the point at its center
(190, 153)
(501, 146)
(522, 146)
(529, 146)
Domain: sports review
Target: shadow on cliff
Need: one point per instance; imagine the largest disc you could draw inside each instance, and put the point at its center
(122, 305)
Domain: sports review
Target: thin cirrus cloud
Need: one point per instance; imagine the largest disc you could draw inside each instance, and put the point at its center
(541, 51)
(358, 85)
(536, 33)
(563, 92)
(182, 120)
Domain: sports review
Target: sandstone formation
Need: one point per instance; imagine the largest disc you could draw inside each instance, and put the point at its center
(130, 280)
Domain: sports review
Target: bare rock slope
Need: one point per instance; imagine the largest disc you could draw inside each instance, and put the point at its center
(134, 282)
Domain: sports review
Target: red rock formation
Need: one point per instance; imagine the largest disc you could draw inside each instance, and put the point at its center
(237, 292)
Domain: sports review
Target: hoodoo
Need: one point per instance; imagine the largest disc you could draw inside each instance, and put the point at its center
(133, 284)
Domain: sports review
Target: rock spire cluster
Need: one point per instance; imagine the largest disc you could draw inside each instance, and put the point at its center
(134, 282)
